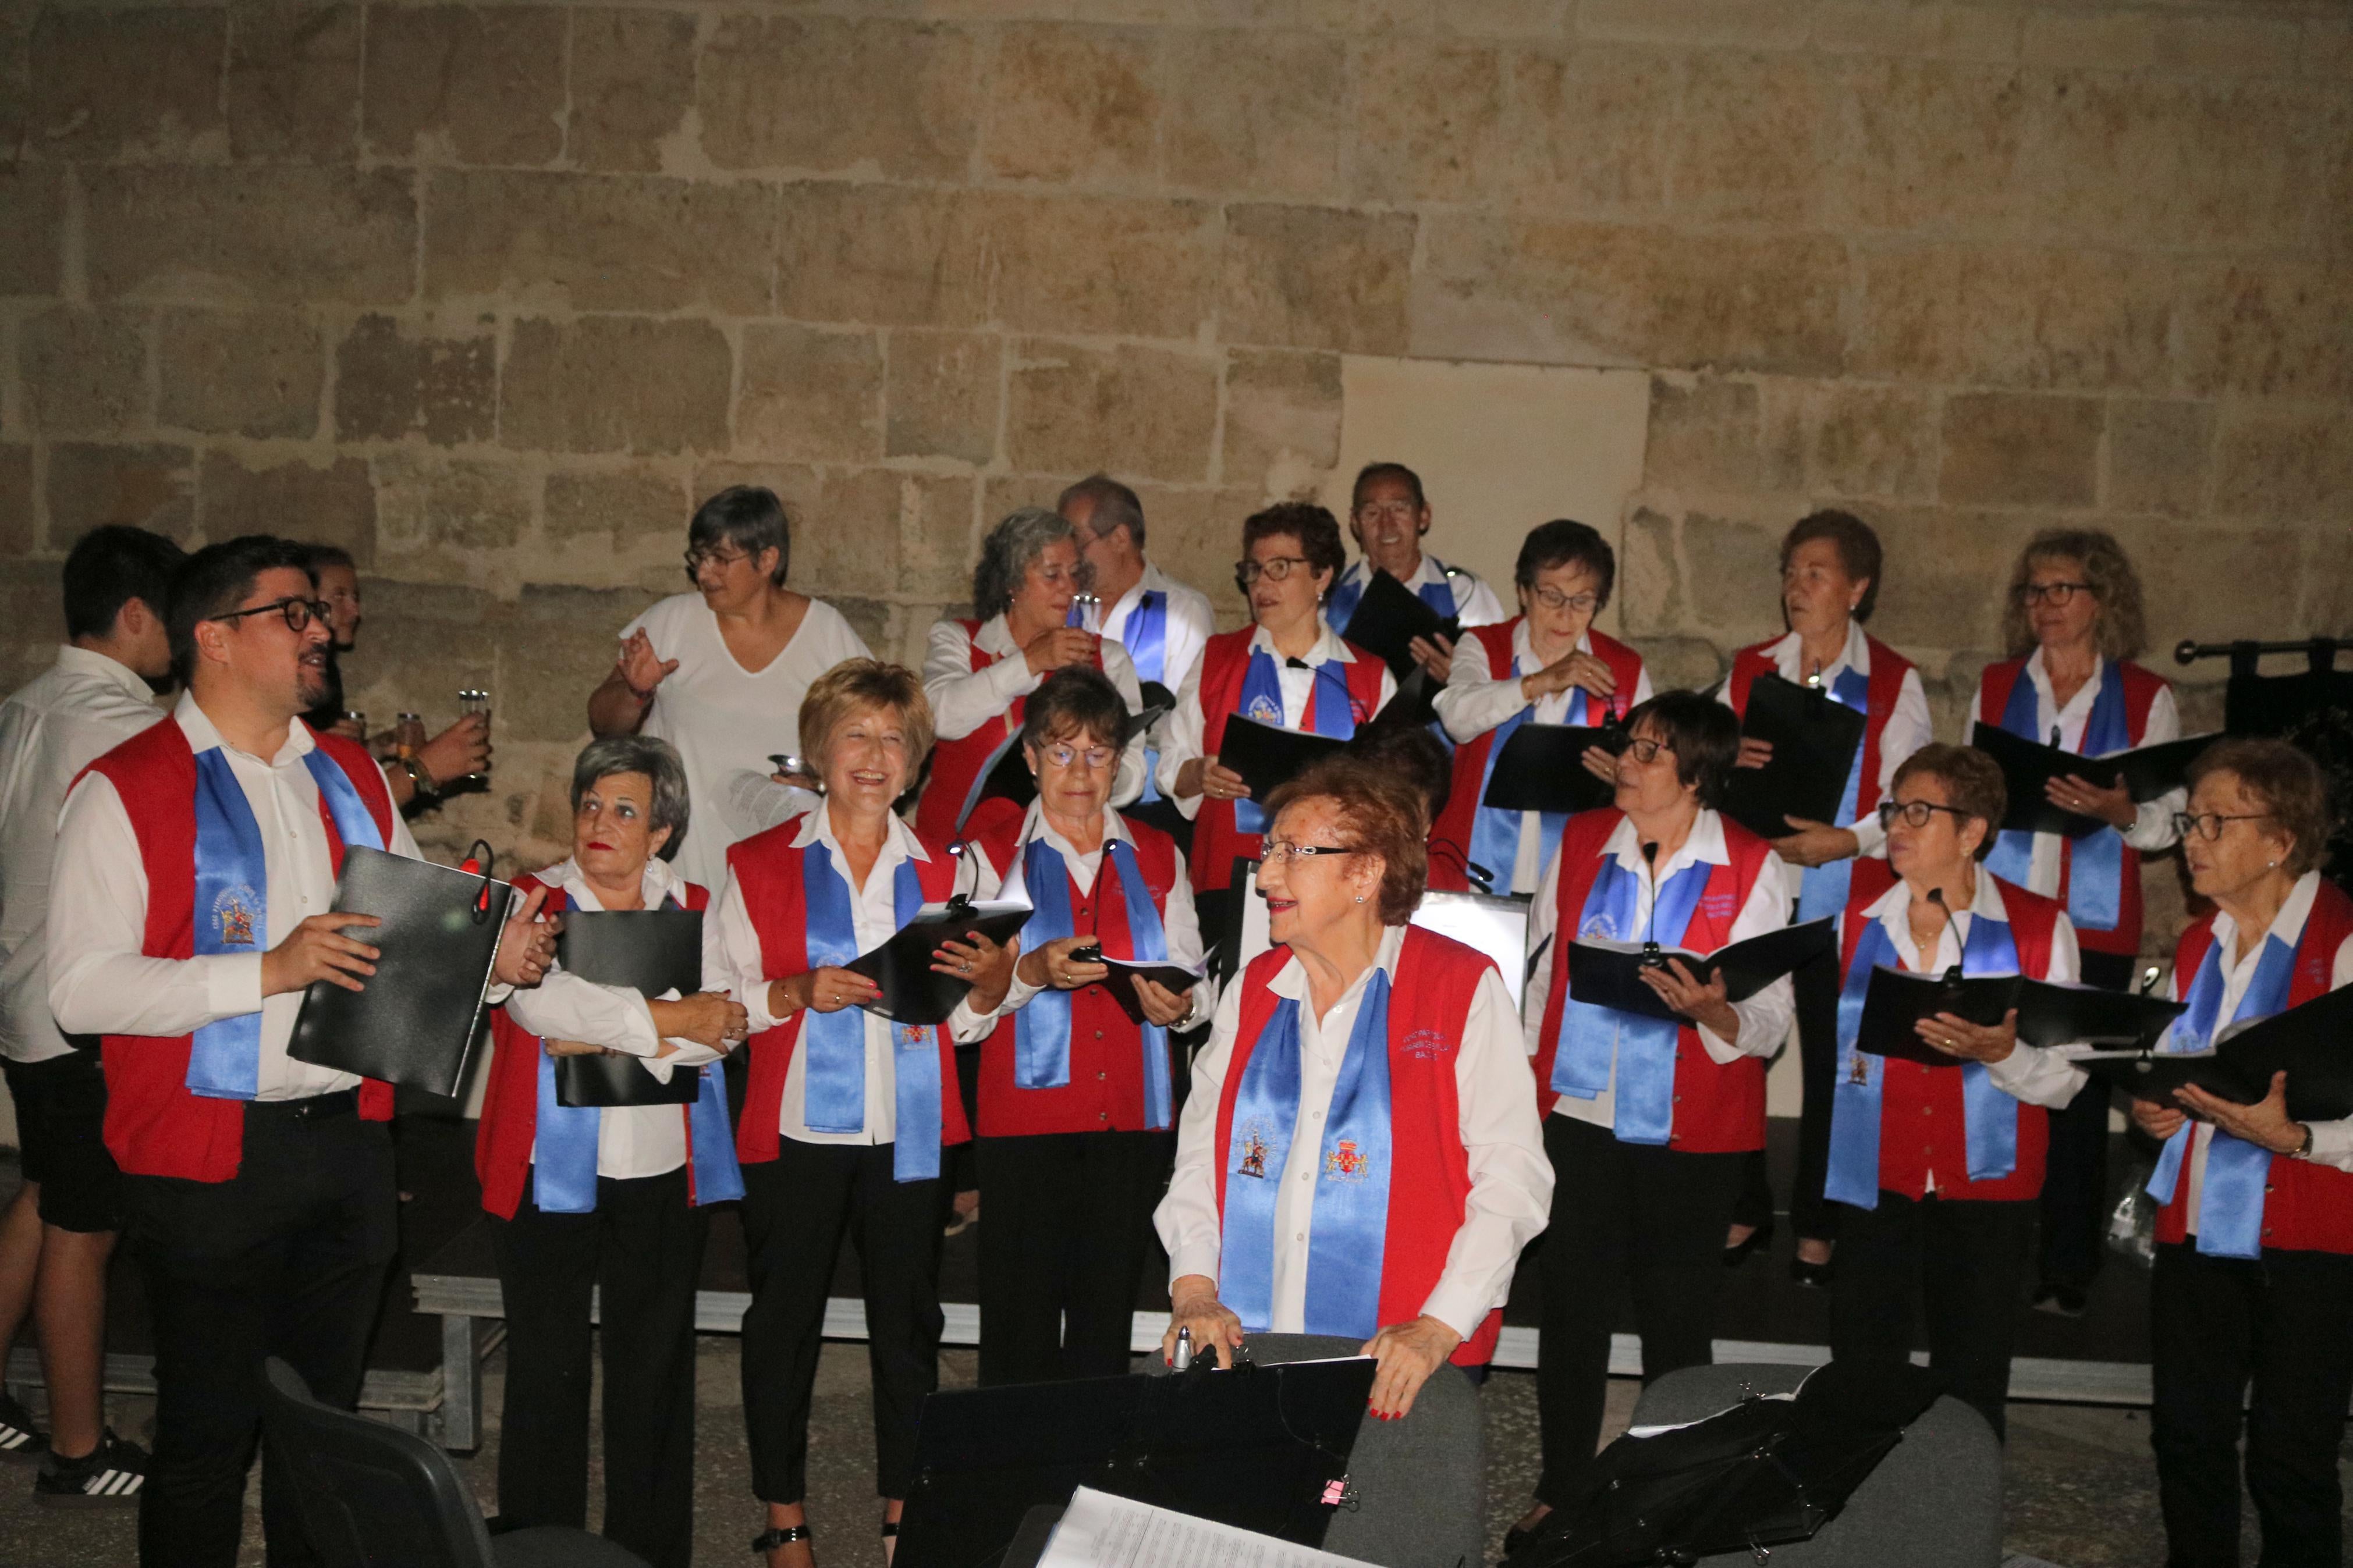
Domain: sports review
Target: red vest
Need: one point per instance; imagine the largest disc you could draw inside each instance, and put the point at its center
(1454, 824)
(768, 870)
(154, 1127)
(2306, 1207)
(508, 1129)
(1718, 1109)
(1921, 1126)
(2141, 688)
(1225, 661)
(1429, 1172)
(1870, 876)
(1105, 1093)
(956, 765)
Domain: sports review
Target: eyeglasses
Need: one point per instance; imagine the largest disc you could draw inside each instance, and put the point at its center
(1553, 599)
(2059, 593)
(1399, 510)
(1274, 569)
(1276, 851)
(1915, 812)
(299, 613)
(1646, 750)
(2207, 824)
(722, 559)
(1096, 758)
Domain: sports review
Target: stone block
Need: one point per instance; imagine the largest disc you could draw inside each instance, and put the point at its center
(17, 523)
(16, 77)
(1731, 570)
(1944, 567)
(880, 253)
(31, 604)
(898, 98)
(1282, 421)
(809, 395)
(2004, 448)
(1255, 113)
(1587, 128)
(1648, 598)
(553, 644)
(2274, 330)
(935, 541)
(1866, 440)
(32, 228)
(1196, 537)
(84, 371)
(1709, 24)
(2091, 40)
(632, 84)
(1570, 294)
(316, 236)
(396, 381)
(851, 542)
(627, 242)
(1938, 147)
(1756, 140)
(457, 84)
(2063, 320)
(1428, 120)
(2158, 455)
(942, 393)
(2217, 584)
(1683, 664)
(293, 80)
(1705, 435)
(614, 383)
(428, 505)
(1317, 278)
(151, 486)
(618, 503)
(1083, 263)
(2289, 463)
(2226, 46)
(1071, 104)
(328, 503)
(1985, 33)
(1074, 409)
(2327, 48)
(254, 373)
(142, 83)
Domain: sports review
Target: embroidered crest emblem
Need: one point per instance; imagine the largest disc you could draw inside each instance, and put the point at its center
(1599, 925)
(911, 1036)
(1264, 711)
(1253, 1163)
(1424, 1043)
(1346, 1162)
(233, 915)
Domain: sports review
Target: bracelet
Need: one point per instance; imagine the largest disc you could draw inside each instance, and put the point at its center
(2303, 1151)
(422, 778)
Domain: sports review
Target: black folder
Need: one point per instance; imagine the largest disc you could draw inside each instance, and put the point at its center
(2028, 766)
(2312, 1043)
(1268, 757)
(913, 991)
(1814, 737)
(1126, 973)
(416, 1023)
(1898, 999)
(1415, 701)
(1608, 973)
(1542, 768)
(650, 952)
(2053, 1014)
(1389, 616)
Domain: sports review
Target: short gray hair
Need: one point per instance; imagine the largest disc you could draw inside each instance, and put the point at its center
(1116, 506)
(1009, 550)
(658, 760)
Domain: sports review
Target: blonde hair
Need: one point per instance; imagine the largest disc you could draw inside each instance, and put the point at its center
(858, 686)
(2122, 631)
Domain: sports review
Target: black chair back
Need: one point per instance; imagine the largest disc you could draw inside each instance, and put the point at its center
(372, 1496)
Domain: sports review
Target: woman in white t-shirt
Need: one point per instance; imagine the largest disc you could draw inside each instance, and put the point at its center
(720, 673)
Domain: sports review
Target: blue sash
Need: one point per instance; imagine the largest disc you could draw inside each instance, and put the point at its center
(1145, 636)
(1350, 589)
(1823, 889)
(1328, 713)
(1988, 1116)
(1041, 1029)
(1643, 1048)
(564, 1156)
(2095, 864)
(1495, 835)
(1348, 1230)
(232, 903)
(2230, 1218)
(833, 1083)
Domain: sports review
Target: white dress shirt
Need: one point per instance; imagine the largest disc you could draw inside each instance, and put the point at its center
(874, 915)
(2152, 828)
(100, 983)
(1511, 1179)
(69, 717)
(1180, 739)
(964, 699)
(631, 1140)
(1179, 922)
(1476, 604)
(1189, 622)
(1906, 730)
(1764, 1017)
(724, 718)
(1476, 699)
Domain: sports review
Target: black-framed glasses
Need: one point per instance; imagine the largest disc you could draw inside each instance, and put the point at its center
(1916, 813)
(2059, 593)
(2207, 824)
(1276, 851)
(1553, 599)
(1646, 750)
(299, 613)
(1274, 569)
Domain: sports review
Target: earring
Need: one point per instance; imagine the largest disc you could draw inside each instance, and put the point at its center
(1360, 897)
(2273, 864)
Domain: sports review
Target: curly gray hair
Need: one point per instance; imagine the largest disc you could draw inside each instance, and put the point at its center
(1009, 550)
(658, 760)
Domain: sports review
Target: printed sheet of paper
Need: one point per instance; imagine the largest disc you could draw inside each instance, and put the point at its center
(1100, 1531)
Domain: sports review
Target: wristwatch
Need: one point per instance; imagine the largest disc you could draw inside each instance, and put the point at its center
(2304, 1150)
(417, 776)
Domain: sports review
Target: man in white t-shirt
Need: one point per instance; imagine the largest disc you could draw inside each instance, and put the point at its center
(720, 673)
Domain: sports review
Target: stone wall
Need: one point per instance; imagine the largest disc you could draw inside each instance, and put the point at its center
(490, 293)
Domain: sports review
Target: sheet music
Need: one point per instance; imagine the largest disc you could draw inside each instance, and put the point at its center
(1100, 1531)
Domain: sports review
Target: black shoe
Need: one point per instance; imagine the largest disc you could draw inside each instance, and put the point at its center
(1756, 1241)
(2061, 1300)
(1812, 1276)
(19, 1438)
(110, 1473)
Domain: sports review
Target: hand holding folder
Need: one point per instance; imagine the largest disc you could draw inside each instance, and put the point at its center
(2050, 1013)
(2312, 1043)
(1542, 768)
(1389, 616)
(651, 951)
(1267, 757)
(2028, 769)
(1610, 974)
(1814, 739)
(913, 991)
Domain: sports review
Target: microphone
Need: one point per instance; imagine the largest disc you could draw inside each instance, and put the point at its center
(960, 901)
(1651, 955)
(1936, 897)
(2148, 979)
(1470, 869)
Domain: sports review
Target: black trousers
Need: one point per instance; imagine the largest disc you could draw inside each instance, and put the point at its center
(642, 1249)
(1817, 991)
(1624, 1217)
(2284, 1324)
(1965, 1261)
(286, 1259)
(1069, 1230)
(2075, 1178)
(796, 1208)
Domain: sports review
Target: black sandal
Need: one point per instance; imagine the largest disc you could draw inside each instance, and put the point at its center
(890, 1528)
(777, 1535)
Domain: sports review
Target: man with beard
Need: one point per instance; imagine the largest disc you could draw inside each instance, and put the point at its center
(195, 874)
(1389, 514)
